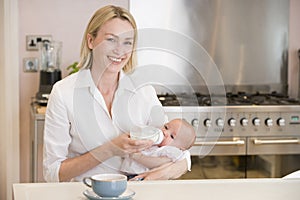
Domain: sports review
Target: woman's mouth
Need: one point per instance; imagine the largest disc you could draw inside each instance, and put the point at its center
(114, 59)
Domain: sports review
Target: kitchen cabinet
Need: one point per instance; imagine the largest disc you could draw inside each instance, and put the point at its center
(37, 119)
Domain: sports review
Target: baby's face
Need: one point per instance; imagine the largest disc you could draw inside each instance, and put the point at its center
(171, 134)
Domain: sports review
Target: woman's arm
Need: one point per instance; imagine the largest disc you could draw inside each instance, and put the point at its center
(59, 168)
(73, 167)
(120, 146)
(150, 161)
(166, 171)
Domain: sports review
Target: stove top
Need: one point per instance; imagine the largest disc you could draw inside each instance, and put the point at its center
(236, 115)
(234, 99)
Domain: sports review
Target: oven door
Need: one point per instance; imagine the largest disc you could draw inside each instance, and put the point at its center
(244, 157)
(219, 146)
(218, 158)
(274, 156)
(273, 145)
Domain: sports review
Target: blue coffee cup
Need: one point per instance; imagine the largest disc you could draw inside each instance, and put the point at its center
(107, 185)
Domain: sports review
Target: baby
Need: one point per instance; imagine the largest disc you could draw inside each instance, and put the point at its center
(179, 136)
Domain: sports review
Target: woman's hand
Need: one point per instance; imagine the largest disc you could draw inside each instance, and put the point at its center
(123, 145)
(119, 146)
(165, 172)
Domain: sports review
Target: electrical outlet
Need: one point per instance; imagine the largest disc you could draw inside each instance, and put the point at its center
(30, 64)
(33, 40)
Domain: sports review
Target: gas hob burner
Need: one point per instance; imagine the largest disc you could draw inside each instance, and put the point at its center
(168, 99)
(184, 99)
(273, 98)
(236, 99)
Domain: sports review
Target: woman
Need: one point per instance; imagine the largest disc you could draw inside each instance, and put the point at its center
(82, 133)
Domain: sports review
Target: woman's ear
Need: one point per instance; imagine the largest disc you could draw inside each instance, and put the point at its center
(90, 41)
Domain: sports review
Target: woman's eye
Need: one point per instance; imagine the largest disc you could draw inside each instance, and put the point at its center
(166, 127)
(128, 43)
(111, 39)
(172, 136)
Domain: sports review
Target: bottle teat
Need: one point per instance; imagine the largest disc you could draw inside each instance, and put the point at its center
(160, 137)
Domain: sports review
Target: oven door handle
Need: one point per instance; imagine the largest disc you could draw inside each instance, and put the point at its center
(277, 141)
(220, 143)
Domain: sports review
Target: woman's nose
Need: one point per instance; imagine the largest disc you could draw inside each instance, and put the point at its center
(120, 49)
(117, 49)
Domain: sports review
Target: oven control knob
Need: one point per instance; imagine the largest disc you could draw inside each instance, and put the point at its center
(220, 122)
(231, 122)
(281, 122)
(244, 122)
(256, 121)
(269, 122)
(195, 123)
(207, 123)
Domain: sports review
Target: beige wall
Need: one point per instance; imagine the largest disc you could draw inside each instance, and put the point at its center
(65, 20)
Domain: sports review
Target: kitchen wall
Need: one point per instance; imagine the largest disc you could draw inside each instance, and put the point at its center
(65, 21)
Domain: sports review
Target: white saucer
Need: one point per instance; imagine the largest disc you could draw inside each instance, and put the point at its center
(90, 194)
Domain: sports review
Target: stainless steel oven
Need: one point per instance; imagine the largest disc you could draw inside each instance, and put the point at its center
(257, 140)
(253, 134)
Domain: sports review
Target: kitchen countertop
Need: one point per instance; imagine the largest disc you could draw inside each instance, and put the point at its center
(225, 189)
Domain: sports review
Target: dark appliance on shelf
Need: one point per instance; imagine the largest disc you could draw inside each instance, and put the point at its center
(50, 73)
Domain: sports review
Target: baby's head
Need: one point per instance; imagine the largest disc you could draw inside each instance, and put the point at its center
(178, 133)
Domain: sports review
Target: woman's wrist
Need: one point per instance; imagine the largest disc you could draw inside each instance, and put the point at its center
(103, 152)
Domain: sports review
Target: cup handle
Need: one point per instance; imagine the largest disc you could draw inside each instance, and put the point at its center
(87, 181)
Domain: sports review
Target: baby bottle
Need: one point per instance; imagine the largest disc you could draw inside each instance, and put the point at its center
(147, 133)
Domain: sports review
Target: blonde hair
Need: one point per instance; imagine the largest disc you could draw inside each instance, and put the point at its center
(99, 18)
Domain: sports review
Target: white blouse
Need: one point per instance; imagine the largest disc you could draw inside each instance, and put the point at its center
(77, 120)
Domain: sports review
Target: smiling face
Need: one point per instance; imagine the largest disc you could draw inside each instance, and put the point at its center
(113, 45)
